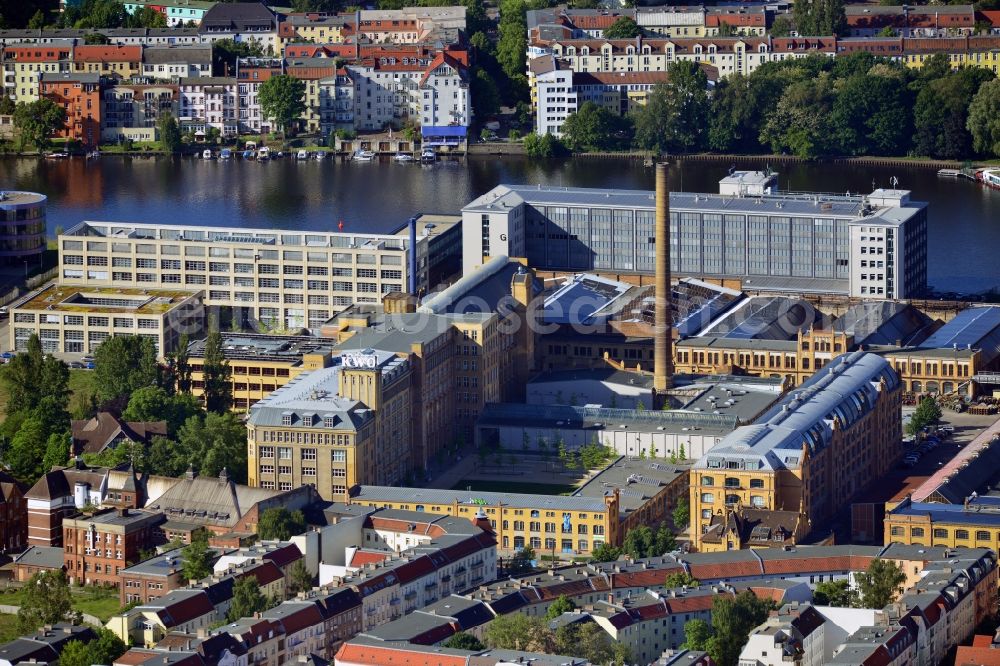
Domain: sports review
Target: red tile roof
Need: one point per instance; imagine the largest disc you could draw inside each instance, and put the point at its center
(353, 653)
(977, 656)
(107, 53)
(363, 557)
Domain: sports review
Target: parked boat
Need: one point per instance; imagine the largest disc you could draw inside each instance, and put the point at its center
(264, 154)
(207, 154)
(320, 155)
(363, 155)
(989, 177)
(248, 154)
(428, 155)
(57, 155)
(302, 155)
(250, 145)
(403, 157)
(93, 155)
(225, 154)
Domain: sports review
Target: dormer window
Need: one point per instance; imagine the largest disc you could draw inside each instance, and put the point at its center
(286, 419)
(328, 421)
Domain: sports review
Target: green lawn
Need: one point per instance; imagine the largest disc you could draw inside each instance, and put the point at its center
(8, 628)
(515, 487)
(101, 602)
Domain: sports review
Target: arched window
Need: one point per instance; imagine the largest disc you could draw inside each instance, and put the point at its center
(732, 499)
(932, 386)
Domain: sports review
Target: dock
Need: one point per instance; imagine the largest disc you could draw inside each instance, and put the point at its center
(955, 173)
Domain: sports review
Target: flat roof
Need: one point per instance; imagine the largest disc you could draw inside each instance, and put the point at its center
(601, 419)
(163, 564)
(427, 496)
(279, 348)
(18, 198)
(638, 481)
(582, 298)
(235, 235)
(105, 300)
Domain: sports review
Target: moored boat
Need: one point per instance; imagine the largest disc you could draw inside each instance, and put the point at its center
(428, 155)
(264, 154)
(989, 177)
(363, 155)
(225, 154)
(302, 155)
(403, 157)
(207, 154)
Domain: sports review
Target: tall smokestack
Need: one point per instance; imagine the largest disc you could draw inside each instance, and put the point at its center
(663, 364)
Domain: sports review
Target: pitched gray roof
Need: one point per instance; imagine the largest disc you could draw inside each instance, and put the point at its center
(517, 500)
(178, 53)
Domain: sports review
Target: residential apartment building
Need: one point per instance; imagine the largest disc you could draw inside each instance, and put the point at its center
(98, 547)
(815, 449)
(108, 60)
(131, 110)
(335, 427)
(80, 96)
(58, 494)
(311, 71)
(178, 61)
(916, 21)
(250, 74)
(863, 246)
(23, 66)
(177, 12)
(71, 319)
(241, 22)
(152, 578)
(125, 36)
(183, 611)
(284, 279)
(22, 221)
(317, 28)
(260, 364)
(209, 102)
(547, 523)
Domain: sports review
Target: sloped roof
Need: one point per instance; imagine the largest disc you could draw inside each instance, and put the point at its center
(209, 500)
(93, 435)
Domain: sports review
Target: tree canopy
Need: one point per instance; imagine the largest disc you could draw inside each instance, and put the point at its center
(624, 27)
(279, 523)
(593, 127)
(880, 583)
(196, 558)
(47, 603)
(676, 113)
(218, 389)
(464, 641)
(562, 604)
(105, 649)
(733, 618)
(247, 598)
(124, 364)
(984, 119)
(282, 99)
(37, 121)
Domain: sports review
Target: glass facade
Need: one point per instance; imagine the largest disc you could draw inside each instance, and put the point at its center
(22, 227)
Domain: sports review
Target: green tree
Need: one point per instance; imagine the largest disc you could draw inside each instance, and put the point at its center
(48, 602)
(102, 14)
(664, 542)
(124, 364)
(7, 106)
(37, 21)
(57, 451)
(146, 17)
(226, 51)
(96, 38)
(928, 412)
(282, 99)
(624, 27)
(464, 641)
(26, 454)
(871, 114)
(105, 649)
(196, 558)
(880, 583)
(781, 27)
(697, 633)
(680, 579)
(165, 458)
(476, 20)
(681, 513)
(605, 553)
(37, 121)
(512, 43)
(887, 31)
(639, 542)
(516, 631)
(521, 562)
(170, 132)
(280, 524)
(984, 119)
(733, 618)
(153, 403)
(218, 389)
(545, 145)
(247, 599)
(800, 124)
(676, 114)
(178, 372)
(31, 377)
(819, 17)
(561, 605)
(300, 580)
(941, 113)
(588, 641)
(834, 593)
(214, 443)
(485, 94)
(594, 127)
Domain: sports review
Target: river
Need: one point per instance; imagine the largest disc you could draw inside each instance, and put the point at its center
(964, 226)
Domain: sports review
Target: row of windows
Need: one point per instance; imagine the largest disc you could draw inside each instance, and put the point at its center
(941, 533)
(732, 482)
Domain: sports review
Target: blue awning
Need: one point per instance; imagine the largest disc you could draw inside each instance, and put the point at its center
(445, 131)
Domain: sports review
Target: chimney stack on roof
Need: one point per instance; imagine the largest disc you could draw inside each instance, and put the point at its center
(663, 368)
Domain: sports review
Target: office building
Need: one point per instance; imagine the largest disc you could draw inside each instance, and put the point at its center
(810, 453)
(871, 246)
(77, 319)
(335, 427)
(22, 215)
(260, 364)
(284, 279)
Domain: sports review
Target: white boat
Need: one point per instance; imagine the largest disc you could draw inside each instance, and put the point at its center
(207, 154)
(403, 157)
(251, 145)
(57, 155)
(428, 155)
(302, 155)
(989, 178)
(320, 155)
(225, 154)
(264, 154)
(363, 155)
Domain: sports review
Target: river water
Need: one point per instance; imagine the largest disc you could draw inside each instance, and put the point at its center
(964, 226)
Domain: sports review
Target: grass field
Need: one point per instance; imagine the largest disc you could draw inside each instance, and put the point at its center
(515, 487)
(101, 602)
(8, 628)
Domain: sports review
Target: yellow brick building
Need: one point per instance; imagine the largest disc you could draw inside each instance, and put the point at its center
(546, 523)
(813, 451)
(260, 364)
(335, 427)
(973, 524)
